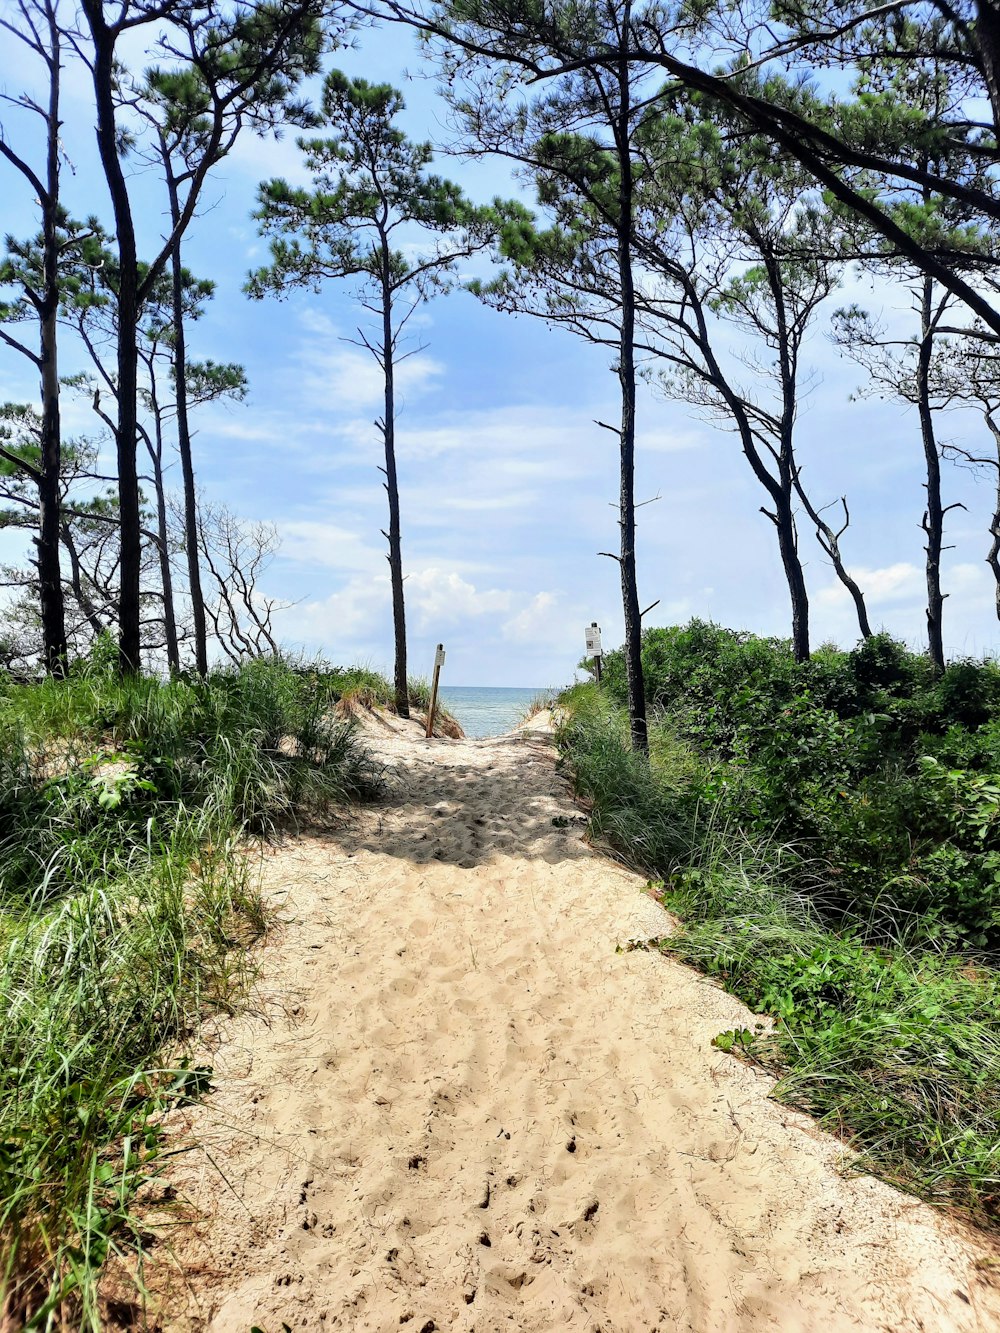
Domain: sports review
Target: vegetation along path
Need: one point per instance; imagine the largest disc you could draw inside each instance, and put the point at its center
(472, 1109)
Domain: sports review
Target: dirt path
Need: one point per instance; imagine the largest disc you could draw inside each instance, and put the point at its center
(470, 1112)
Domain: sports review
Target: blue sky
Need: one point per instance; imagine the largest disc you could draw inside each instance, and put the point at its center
(507, 483)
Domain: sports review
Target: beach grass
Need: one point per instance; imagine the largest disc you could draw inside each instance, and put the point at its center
(364, 688)
(130, 811)
(544, 701)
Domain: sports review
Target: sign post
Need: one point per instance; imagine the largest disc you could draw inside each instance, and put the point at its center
(593, 636)
(438, 664)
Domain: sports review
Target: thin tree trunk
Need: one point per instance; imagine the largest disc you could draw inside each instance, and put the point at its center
(166, 577)
(779, 488)
(52, 607)
(626, 377)
(394, 535)
(851, 584)
(191, 543)
(783, 494)
(933, 520)
(83, 598)
(162, 546)
(985, 33)
(788, 545)
(129, 629)
(993, 555)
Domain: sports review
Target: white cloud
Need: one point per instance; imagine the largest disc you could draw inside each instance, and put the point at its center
(897, 598)
(346, 625)
(328, 546)
(963, 578)
(252, 430)
(896, 583)
(441, 597)
(560, 443)
(480, 504)
(672, 441)
(336, 376)
(533, 621)
(258, 158)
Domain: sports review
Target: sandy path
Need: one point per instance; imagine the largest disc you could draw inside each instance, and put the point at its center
(470, 1112)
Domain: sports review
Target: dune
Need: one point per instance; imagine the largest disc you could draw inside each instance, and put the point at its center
(469, 1107)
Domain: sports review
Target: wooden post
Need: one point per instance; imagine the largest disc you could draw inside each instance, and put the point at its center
(438, 664)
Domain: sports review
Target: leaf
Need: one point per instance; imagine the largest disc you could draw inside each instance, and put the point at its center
(735, 1039)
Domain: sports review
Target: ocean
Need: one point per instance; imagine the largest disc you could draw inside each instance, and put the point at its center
(487, 712)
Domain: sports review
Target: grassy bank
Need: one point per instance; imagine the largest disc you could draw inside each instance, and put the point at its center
(828, 834)
(127, 897)
(351, 688)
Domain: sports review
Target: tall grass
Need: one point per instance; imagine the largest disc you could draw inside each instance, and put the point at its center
(364, 687)
(126, 900)
(895, 1048)
(542, 702)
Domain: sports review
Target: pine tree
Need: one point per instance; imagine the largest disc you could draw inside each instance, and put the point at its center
(228, 68)
(371, 187)
(33, 271)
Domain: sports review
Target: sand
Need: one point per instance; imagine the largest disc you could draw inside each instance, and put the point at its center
(469, 1108)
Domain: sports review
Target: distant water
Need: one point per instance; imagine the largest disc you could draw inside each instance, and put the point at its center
(486, 712)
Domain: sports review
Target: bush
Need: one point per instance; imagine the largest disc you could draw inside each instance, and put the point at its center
(896, 1048)
(839, 756)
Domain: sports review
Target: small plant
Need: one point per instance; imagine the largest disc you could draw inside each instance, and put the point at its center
(740, 1039)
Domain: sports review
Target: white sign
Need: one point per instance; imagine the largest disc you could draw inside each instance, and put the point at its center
(439, 657)
(593, 634)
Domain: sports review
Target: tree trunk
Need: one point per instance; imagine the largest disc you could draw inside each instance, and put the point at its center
(53, 611)
(394, 537)
(184, 440)
(857, 596)
(52, 607)
(83, 598)
(985, 34)
(166, 578)
(993, 556)
(788, 545)
(626, 377)
(933, 520)
(783, 493)
(162, 544)
(129, 632)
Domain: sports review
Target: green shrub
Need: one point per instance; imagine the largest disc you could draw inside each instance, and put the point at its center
(896, 1048)
(836, 756)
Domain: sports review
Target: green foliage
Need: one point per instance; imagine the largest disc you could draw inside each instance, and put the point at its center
(896, 1048)
(541, 702)
(82, 250)
(247, 67)
(126, 893)
(899, 1052)
(370, 181)
(866, 762)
